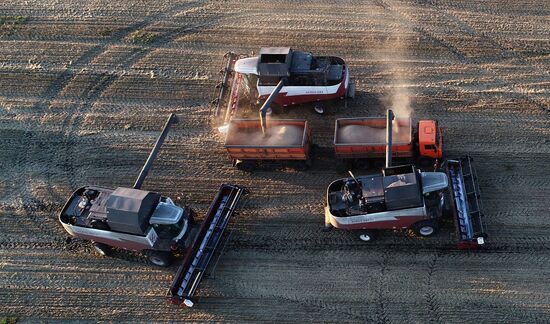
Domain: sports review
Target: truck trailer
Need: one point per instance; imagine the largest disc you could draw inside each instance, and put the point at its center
(284, 140)
(363, 140)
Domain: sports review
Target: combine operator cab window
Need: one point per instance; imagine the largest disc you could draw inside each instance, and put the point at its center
(169, 231)
(273, 58)
(401, 180)
(268, 80)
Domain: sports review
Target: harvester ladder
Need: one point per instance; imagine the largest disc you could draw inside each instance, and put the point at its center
(223, 81)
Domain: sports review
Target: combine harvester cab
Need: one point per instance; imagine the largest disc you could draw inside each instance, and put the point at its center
(206, 243)
(399, 197)
(465, 202)
(309, 78)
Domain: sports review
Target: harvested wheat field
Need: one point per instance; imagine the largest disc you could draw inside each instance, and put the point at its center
(85, 87)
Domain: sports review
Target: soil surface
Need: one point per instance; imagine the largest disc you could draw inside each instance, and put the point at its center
(85, 87)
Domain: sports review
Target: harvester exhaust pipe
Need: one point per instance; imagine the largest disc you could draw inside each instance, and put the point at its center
(267, 104)
(172, 119)
(389, 118)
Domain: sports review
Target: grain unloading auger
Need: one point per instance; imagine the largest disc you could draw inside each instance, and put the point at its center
(139, 220)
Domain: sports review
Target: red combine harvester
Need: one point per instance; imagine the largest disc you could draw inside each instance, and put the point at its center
(139, 220)
(402, 197)
(308, 78)
(363, 140)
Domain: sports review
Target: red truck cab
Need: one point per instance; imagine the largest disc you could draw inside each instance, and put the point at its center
(430, 143)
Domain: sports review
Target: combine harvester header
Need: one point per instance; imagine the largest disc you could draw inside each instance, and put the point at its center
(200, 252)
(465, 202)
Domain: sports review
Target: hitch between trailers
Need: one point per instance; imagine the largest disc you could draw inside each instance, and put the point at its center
(465, 202)
(205, 245)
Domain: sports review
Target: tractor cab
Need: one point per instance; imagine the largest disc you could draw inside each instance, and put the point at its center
(430, 143)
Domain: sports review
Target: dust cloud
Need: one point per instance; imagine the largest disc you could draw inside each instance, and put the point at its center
(392, 54)
(280, 135)
(350, 134)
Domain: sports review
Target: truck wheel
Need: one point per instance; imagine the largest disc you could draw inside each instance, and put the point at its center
(366, 235)
(160, 258)
(378, 163)
(102, 249)
(361, 164)
(245, 165)
(425, 228)
(425, 162)
(350, 93)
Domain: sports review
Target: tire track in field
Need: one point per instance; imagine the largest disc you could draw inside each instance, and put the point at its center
(381, 298)
(505, 53)
(64, 79)
(74, 122)
(106, 81)
(430, 297)
(321, 305)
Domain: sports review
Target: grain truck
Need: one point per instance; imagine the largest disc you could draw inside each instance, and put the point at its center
(362, 140)
(252, 141)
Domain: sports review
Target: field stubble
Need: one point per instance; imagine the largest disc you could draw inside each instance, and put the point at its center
(85, 87)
